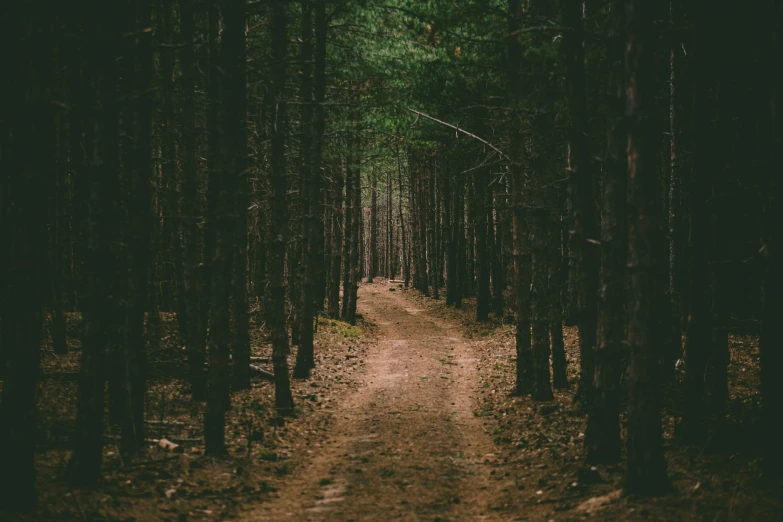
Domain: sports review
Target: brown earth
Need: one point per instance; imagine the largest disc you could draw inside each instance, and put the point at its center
(407, 416)
(408, 444)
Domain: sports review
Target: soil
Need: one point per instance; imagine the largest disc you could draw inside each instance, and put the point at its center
(407, 416)
(407, 444)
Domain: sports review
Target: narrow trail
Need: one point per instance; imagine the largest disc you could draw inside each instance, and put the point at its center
(406, 444)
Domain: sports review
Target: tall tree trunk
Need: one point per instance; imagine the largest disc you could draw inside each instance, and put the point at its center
(140, 217)
(373, 252)
(447, 200)
(197, 369)
(771, 338)
(679, 168)
(337, 243)
(470, 250)
(433, 267)
(482, 245)
(495, 235)
(30, 28)
(559, 363)
(698, 331)
(458, 239)
(348, 223)
(99, 263)
(521, 253)
(646, 473)
(59, 237)
(391, 257)
(581, 194)
(194, 338)
(540, 309)
(314, 229)
(230, 164)
(421, 232)
(406, 265)
(240, 356)
(602, 435)
(356, 218)
(278, 207)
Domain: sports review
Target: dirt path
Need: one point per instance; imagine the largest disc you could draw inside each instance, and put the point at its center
(406, 445)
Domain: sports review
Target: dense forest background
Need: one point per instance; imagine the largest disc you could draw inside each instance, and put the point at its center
(237, 166)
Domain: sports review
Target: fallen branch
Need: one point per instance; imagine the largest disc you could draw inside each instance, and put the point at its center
(463, 131)
(260, 372)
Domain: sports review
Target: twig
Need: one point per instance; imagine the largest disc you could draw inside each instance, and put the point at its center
(463, 131)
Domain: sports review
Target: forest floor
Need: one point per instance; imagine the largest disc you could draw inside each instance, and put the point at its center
(408, 416)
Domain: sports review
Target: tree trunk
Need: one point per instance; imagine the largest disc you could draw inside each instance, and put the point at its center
(771, 338)
(699, 331)
(99, 263)
(338, 216)
(521, 254)
(348, 223)
(646, 472)
(559, 363)
(240, 356)
(602, 435)
(406, 266)
(495, 233)
(470, 250)
(356, 226)
(305, 360)
(197, 369)
(140, 217)
(231, 164)
(391, 258)
(433, 267)
(373, 264)
(30, 33)
(540, 310)
(482, 245)
(278, 207)
(194, 338)
(584, 213)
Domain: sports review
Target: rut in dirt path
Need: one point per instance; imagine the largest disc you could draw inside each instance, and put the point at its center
(406, 444)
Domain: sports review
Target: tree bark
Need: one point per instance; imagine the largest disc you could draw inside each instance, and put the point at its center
(406, 265)
(337, 242)
(195, 341)
(198, 375)
(99, 263)
(482, 245)
(602, 435)
(278, 206)
(521, 254)
(698, 331)
(30, 30)
(373, 251)
(140, 220)
(314, 219)
(240, 356)
(230, 163)
(581, 193)
(646, 472)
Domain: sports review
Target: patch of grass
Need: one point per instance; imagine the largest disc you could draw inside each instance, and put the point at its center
(283, 469)
(352, 332)
(325, 482)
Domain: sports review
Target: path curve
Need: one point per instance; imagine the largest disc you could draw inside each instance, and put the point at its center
(406, 444)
